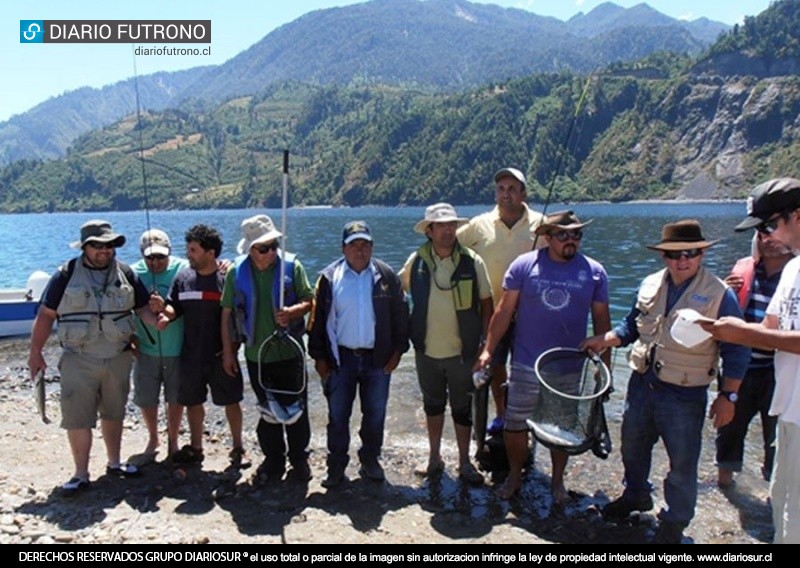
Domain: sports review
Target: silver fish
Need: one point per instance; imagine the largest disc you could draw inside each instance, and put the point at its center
(480, 410)
(39, 392)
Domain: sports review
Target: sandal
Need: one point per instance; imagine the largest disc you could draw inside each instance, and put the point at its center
(123, 470)
(431, 470)
(188, 454)
(469, 474)
(238, 458)
(75, 484)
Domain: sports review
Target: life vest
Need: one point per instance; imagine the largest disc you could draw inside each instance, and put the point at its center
(92, 320)
(672, 362)
(245, 300)
(464, 282)
(746, 269)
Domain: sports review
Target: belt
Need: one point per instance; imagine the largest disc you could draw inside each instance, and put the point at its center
(356, 352)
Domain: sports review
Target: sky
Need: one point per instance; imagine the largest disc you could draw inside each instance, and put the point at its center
(33, 73)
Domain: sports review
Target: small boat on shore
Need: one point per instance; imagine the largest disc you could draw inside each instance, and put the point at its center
(18, 306)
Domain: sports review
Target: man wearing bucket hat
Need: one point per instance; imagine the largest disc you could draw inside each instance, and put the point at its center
(452, 302)
(551, 291)
(93, 298)
(158, 352)
(666, 395)
(251, 306)
(774, 209)
(499, 236)
(357, 333)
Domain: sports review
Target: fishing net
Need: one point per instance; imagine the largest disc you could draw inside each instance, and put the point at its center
(285, 400)
(569, 415)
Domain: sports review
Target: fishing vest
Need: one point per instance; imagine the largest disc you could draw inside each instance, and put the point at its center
(466, 304)
(746, 269)
(246, 303)
(99, 323)
(672, 362)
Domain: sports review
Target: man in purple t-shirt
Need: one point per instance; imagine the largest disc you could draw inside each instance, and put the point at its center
(552, 291)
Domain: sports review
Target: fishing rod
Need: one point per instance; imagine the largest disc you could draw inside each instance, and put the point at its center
(562, 150)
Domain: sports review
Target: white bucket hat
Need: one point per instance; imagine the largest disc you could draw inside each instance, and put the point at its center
(439, 213)
(255, 230)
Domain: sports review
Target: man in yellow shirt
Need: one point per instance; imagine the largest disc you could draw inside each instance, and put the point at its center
(499, 236)
(452, 303)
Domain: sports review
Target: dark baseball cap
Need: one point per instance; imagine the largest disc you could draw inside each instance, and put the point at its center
(355, 230)
(773, 196)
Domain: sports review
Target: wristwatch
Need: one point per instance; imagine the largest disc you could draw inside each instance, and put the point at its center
(732, 396)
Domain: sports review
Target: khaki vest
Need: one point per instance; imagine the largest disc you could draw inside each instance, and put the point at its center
(101, 326)
(672, 362)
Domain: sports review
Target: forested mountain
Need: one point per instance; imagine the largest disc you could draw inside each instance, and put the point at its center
(660, 127)
(431, 45)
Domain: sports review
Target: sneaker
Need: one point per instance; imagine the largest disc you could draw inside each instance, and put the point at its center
(238, 458)
(123, 470)
(469, 474)
(75, 485)
(334, 478)
(188, 454)
(300, 473)
(371, 469)
(624, 506)
(668, 533)
(264, 477)
(496, 426)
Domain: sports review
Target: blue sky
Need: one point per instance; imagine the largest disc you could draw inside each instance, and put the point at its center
(35, 72)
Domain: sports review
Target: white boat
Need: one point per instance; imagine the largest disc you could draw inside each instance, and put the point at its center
(18, 306)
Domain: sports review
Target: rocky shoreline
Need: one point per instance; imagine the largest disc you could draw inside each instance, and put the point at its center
(212, 505)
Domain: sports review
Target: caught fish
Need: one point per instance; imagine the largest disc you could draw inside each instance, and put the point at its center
(480, 409)
(39, 392)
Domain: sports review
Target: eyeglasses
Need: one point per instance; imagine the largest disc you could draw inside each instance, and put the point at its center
(156, 257)
(264, 249)
(677, 254)
(771, 225)
(563, 236)
(99, 246)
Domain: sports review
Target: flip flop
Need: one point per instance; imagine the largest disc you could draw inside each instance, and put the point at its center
(123, 470)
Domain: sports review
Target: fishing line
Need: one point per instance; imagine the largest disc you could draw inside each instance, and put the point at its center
(146, 196)
(563, 148)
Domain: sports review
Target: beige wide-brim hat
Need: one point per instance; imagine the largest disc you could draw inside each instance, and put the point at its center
(682, 235)
(98, 231)
(560, 221)
(256, 230)
(439, 213)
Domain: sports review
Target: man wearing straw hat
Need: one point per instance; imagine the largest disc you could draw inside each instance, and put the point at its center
(251, 298)
(774, 209)
(671, 372)
(452, 302)
(93, 298)
(552, 291)
(499, 236)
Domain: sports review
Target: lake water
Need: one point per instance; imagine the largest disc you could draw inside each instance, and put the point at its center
(616, 238)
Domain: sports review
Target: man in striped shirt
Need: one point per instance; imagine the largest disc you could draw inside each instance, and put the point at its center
(754, 278)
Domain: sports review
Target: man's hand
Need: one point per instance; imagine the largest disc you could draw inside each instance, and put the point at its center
(229, 362)
(599, 343)
(323, 369)
(721, 411)
(156, 303)
(729, 329)
(392, 363)
(735, 282)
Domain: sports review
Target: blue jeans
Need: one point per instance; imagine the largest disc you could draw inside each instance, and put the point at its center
(653, 411)
(356, 372)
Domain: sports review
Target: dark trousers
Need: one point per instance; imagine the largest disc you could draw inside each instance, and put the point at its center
(755, 396)
(274, 438)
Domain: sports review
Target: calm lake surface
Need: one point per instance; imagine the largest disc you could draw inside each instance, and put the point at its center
(616, 238)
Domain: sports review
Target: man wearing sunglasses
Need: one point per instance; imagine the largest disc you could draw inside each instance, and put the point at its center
(774, 208)
(252, 301)
(158, 352)
(551, 291)
(93, 298)
(666, 395)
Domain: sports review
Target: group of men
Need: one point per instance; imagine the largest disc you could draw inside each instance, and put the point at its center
(509, 281)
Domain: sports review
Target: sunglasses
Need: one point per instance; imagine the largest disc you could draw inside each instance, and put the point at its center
(264, 249)
(99, 246)
(563, 236)
(770, 226)
(156, 257)
(677, 254)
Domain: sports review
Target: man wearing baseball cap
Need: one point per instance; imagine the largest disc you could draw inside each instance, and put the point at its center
(774, 209)
(499, 236)
(357, 333)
